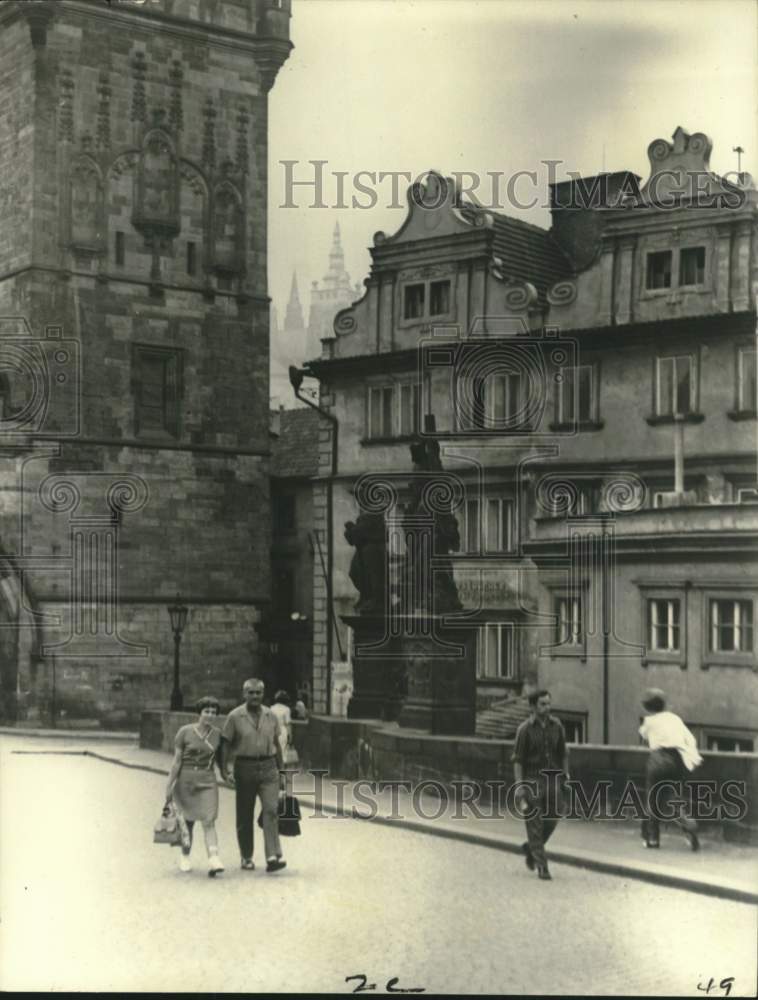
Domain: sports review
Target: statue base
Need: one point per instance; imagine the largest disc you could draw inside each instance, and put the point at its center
(424, 677)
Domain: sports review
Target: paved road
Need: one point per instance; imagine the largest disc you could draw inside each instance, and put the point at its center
(89, 903)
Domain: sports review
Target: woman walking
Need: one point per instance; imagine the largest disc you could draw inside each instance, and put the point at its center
(281, 709)
(192, 781)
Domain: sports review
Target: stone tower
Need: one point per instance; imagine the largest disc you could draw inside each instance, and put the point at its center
(335, 293)
(134, 348)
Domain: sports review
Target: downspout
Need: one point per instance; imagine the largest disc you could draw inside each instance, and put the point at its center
(296, 376)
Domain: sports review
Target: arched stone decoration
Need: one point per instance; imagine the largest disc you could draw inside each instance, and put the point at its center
(228, 229)
(86, 206)
(157, 201)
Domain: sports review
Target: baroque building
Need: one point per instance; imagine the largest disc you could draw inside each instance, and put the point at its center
(593, 388)
(135, 345)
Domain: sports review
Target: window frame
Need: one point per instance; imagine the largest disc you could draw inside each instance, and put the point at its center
(427, 315)
(570, 716)
(482, 504)
(504, 629)
(725, 658)
(693, 413)
(682, 250)
(172, 424)
(562, 421)
(396, 432)
(656, 592)
(724, 732)
(742, 411)
(659, 252)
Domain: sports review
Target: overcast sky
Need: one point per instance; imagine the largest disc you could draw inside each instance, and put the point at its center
(493, 85)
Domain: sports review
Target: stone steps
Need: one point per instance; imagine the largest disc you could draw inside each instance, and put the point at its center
(501, 720)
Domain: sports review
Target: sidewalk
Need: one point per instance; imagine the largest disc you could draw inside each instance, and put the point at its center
(728, 871)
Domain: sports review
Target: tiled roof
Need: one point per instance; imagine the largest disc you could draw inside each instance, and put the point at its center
(294, 451)
(529, 253)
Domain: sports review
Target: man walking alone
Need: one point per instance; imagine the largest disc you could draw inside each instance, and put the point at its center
(540, 747)
(251, 760)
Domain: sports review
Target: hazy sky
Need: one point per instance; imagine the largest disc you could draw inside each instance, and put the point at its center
(493, 85)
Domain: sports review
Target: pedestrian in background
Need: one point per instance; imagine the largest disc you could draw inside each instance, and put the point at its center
(281, 709)
(251, 761)
(673, 753)
(540, 747)
(192, 782)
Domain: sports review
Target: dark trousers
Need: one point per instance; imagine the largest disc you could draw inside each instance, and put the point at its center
(540, 826)
(257, 779)
(663, 765)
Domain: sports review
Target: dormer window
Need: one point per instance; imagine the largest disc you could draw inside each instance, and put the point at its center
(659, 270)
(427, 299)
(692, 266)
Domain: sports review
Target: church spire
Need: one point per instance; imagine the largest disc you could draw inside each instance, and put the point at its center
(293, 318)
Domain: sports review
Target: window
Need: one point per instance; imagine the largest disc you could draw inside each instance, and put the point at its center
(119, 251)
(503, 396)
(473, 531)
(692, 266)
(663, 625)
(489, 529)
(499, 525)
(410, 408)
(495, 657)
(569, 626)
(576, 395)
(285, 520)
(380, 411)
(414, 301)
(747, 369)
(574, 725)
(192, 259)
(157, 387)
(427, 299)
(659, 270)
(439, 298)
(675, 385)
(731, 626)
(394, 410)
(747, 494)
(728, 743)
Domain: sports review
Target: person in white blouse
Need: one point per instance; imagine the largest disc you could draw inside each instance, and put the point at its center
(673, 753)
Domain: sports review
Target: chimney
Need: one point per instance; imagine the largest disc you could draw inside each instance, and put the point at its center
(577, 207)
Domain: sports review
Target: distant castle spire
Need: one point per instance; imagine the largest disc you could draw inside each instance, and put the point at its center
(294, 321)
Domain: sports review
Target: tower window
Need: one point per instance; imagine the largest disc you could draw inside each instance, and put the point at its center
(191, 259)
(119, 250)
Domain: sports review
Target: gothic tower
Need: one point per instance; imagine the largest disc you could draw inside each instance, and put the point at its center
(134, 347)
(335, 293)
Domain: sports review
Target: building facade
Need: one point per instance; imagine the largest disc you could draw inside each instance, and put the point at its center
(594, 394)
(133, 275)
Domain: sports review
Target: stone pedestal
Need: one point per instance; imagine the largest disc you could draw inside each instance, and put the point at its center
(416, 671)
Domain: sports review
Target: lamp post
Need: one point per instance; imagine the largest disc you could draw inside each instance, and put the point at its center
(177, 614)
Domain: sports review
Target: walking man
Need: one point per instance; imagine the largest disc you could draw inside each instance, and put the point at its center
(673, 752)
(540, 747)
(251, 761)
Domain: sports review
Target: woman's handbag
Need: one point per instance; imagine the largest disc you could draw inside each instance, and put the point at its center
(167, 829)
(289, 816)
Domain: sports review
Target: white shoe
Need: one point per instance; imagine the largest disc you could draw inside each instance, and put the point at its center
(185, 865)
(214, 865)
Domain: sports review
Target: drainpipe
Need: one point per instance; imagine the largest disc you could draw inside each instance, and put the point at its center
(678, 454)
(296, 380)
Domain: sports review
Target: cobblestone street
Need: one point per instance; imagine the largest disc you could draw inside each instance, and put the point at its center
(92, 904)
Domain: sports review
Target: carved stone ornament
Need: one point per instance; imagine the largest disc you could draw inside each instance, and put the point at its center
(157, 201)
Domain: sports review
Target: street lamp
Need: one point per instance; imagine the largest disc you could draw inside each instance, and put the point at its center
(177, 613)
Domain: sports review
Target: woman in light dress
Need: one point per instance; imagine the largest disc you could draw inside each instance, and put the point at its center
(281, 709)
(192, 782)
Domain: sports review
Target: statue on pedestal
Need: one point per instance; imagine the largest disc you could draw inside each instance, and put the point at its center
(429, 583)
(368, 568)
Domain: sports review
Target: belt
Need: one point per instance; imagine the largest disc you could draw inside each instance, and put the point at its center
(270, 756)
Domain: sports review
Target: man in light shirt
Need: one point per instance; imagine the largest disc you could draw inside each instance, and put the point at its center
(673, 753)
